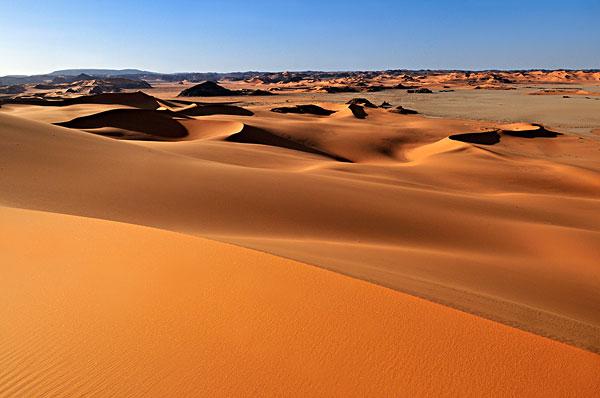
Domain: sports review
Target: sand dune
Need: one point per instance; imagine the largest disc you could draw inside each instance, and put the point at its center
(135, 99)
(122, 122)
(254, 135)
(491, 137)
(216, 109)
(495, 225)
(467, 226)
(102, 308)
(524, 130)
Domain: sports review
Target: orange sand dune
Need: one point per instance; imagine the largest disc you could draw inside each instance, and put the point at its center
(152, 123)
(99, 308)
(509, 231)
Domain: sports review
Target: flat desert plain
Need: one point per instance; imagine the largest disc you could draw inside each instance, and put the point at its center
(294, 239)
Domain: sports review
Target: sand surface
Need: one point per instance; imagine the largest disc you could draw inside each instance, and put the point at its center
(101, 308)
(509, 234)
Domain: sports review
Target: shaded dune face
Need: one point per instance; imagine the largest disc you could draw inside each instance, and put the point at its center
(483, 138)
(255, 135)
(154, 123)
(135, 100)
(493, 137)
(533, 131)
(217, 109)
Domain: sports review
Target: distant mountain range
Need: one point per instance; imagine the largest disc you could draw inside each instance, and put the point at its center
(99, 72)
(135, 74)
(278, 77)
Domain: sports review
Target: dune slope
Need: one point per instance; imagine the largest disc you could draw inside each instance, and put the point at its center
(509, 232)
(93, 307)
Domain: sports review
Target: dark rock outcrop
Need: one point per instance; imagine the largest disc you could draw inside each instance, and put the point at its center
(340, 89)
(358, 111)
(403, 111)
(420, 91)
(377, 88)
(206, 89)
(212, 89)
(123, 83)
(361, 101)
(304, 109)
(255, 92)
(15, 89)
(45, 86)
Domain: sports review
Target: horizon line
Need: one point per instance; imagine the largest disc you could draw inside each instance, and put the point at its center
(584, 69)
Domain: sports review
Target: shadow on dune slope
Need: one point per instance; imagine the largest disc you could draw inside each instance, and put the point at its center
(483, 138)
(136, 100)
(536, 131)
(216, 109)
(255, 135)
(155, 124)
(493, 137)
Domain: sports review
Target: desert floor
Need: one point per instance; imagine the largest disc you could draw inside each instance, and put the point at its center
(157, 246)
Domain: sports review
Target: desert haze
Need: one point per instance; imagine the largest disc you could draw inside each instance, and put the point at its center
(391, 233)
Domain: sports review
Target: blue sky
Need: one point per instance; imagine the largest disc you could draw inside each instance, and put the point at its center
(174, 36)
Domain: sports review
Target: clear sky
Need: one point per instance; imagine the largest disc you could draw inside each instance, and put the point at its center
(229, 35)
